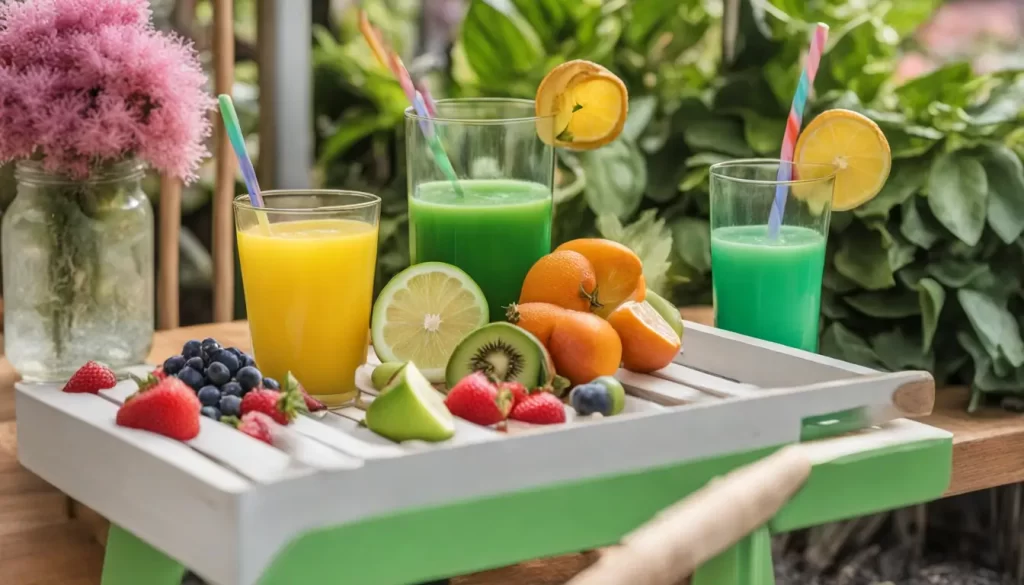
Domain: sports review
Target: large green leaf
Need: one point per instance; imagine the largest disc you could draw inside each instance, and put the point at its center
(551, 19)
(839, 342)
(916, 94)
(724, 135)
(863, 258)
(932, 298)
(1003, 106)
(957, 195)
(956, 273)
(616, 178)
(917, 227)
(1005, 175)
(898, 351)
(906, 178)
(895, 304)
(498, 42)
(692, 239)
(994, 324)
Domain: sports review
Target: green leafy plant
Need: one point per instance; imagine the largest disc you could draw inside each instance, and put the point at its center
(926, 275)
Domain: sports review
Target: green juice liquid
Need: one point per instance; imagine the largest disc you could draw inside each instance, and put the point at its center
(495, 232)
(768, 290)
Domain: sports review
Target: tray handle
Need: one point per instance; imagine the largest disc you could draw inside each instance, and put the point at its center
(689, 533)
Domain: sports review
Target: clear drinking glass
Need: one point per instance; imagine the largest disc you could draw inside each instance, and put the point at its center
(308, 260)
(494, 222)
(764, 287)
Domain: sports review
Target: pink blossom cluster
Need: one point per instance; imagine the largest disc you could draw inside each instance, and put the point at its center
(88, 82)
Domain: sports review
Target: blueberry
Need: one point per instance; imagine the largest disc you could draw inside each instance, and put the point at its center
(232, 388)
(249, 377)
(218, 374)
(173, 364)
(246, 360)
(191, 349)
(209, 396)
(231, 405)
(209, 344)
(210, 412)
(229, 360)
(192, 377)
(591, 398)
(238, 353)
(196, 363)
(271, 384)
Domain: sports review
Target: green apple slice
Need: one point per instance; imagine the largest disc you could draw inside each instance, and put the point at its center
(409, 409)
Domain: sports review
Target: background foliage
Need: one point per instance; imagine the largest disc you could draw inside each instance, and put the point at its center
(927, 275)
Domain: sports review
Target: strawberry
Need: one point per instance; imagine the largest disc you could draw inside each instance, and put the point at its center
(477, 400)
(312, 404)
(255, 424)
(281, 406)
(91, 378)
(159, 373)
(518, 391)
(542, 408)
(167, 407)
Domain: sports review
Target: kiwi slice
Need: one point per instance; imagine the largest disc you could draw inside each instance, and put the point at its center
(502, 351)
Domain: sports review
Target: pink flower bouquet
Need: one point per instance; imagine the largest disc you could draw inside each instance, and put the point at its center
(85, 83)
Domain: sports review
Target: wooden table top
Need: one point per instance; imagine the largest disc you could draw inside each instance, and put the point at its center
(41, 543)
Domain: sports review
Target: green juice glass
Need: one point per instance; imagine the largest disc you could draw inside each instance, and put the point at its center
(497, 221)
(764, 287)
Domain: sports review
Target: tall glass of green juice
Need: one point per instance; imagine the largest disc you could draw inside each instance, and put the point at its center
(769, 286)
(494, 219)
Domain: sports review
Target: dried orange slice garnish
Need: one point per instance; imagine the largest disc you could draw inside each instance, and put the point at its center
(581, 105)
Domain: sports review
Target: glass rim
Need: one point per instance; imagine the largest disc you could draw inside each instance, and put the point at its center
(410, 112)
(368, 200)
(750, 162)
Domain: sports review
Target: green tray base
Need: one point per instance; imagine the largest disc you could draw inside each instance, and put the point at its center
(481, 534)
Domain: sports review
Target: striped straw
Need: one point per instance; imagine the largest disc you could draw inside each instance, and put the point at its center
(793, 123)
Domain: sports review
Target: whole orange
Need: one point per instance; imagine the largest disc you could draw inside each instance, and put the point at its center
(563, 278)
(584, 346)
(618, 270)
(648, 341)
(537, 318)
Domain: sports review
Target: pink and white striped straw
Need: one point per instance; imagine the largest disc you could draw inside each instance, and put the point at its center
(793, 123)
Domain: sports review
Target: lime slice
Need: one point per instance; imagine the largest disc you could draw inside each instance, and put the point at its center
(410, 409)
(423, 313)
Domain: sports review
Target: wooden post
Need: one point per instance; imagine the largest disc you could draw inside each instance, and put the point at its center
(223, 232)
(170, 232)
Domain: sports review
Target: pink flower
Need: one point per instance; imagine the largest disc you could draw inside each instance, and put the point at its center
(86, 82)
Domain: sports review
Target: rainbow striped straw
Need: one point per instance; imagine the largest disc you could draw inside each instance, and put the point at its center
(421, 101)
(793, 123)
(234, 132)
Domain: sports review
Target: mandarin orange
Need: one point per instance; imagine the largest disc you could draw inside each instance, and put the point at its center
(618, 270)
(584, 346)
(648, 341)
(537, 318)
(564, 278)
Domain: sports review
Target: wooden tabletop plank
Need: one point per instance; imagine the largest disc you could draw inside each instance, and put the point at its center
(41, 545)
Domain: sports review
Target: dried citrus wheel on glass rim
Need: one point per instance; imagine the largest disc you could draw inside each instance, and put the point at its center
(855, 146)
(581, 105)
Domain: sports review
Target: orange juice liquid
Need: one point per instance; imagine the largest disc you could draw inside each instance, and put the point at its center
(308, 292)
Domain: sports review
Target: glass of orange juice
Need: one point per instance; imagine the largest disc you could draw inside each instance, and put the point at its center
(308, 260)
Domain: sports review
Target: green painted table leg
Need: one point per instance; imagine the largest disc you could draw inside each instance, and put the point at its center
(748, 562)
(129, 561)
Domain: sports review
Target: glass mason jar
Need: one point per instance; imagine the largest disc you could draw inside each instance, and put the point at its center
(77, 270)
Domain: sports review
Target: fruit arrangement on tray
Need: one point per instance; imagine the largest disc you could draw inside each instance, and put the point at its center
(583, 312)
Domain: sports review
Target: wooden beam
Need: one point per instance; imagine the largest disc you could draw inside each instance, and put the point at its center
(224, 191)
(170, 238)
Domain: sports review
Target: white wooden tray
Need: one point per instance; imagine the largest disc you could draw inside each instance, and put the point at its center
(725, 394)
